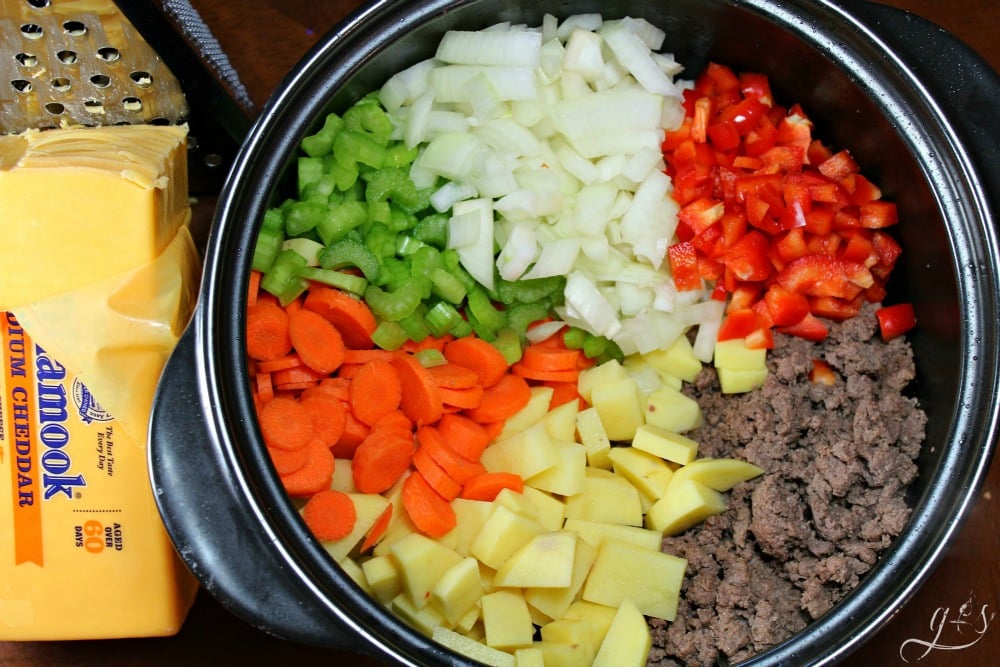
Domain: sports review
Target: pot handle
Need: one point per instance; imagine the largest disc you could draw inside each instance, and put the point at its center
(961, 81)
(194, 488)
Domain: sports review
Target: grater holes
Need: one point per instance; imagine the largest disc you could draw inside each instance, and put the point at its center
(31, 31)
(109, 54)
(61, 84)
(159, 121)
(39, 4)
(75, 28)
(26, 59)
(55, 108)
(93, 106)
(100, 80)
(67, 57)
(142, 78)
(213, 160)
(21, 85)
(132, 104)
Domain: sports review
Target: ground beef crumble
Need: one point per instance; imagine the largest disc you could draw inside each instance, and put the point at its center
(838, 459)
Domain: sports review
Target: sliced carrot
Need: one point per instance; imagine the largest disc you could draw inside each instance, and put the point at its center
(428, 343)
(339, 387)
(267, 331)
(293, 306)
(296, 376)
(466, 399)
(375, 533)
(430, 513)
(489, 484)
(453, 376)
(395, 421)
(264, 387)
(315, 475)
(435, 475)
(330, 515)
(375, 391)
(290, 360)
(494, 429)
(380, 460)
(355, 432)
(478, 355)
(348, 371)
(287, 461)
(465, 437)
(329, 415)
(352, 317)
(543, 357)
(563, 392)
(253, 287)
(455, 466)
(354, 356)
(285, 424)
(317, 341)
(502, 400)
(539, 375)
(421, 399)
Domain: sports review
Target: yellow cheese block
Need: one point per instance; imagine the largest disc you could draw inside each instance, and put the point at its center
(82, 204)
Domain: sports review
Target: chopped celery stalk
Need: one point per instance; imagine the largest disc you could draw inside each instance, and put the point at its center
(379, 211)
(380, 240)
(415, 325)
(394, 273)
(400, 220)
(351, 148)
(442, 318)
(309, 170)
(594, 346)
(283, 272)
(430, 357)
(574, 337)
(321, 143)
(407, 245)
(306, 247)
(389, 335)
(369, 118)
(447, 287)
(425, 260)
(398, 155)
(340, 219)
(393, 183)
(293, 290)
(267, 248)
(529, 290)
(350, 252)
(509, 344)
(478, 328)
(302, 216)
(433, 230)
(461, 329)
(339, 279)
(479, 306)
(522, 315)
(394, 305)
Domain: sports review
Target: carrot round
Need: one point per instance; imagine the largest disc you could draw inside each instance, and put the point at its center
(264, 387)
(329, 416)
(467, 398)
(317, 341)
(421, 399)
(453, 376)
(291, 360)
(361, 356)
(301, 376)
(253, 287)
(464, 436)
(355, 432)
(546, 357)
(562, 392)
(435, 475)
(430, 513)
(267, 331)
(503, 400)
(478, 355)
(375, 391)
(454, 465)
(285, 424)
(380, 460)
(488, 485)
(378, 528)
(541, 375)
(330, 515)
(287, 461)
(395, 421)
(352, 317)
(315, 475)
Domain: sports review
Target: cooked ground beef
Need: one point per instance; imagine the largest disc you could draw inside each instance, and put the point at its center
(838, 459)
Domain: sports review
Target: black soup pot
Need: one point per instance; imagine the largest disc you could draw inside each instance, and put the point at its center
(911, 103)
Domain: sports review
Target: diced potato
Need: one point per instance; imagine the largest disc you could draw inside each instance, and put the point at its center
(529, 657)
(354, 571)
(595, 376)
(368, 507)
(553, 602)
(564, 654)
(740, 380)
(425, 619)
(507, 620)
(551, 511)
(719, 474)
(620, 406)
(686, 504)
(599, 616)
(532, 413)
(526, 453)
(560, 422)
(628, 640)
(647, 472)
(503, 533)
(678, 360)
(458, 590)
(343, 476)
(400, 524)
(469, 620)
(650, 579)
(422, 561)
(566, 477)
(734, 354)
(383, 577)
(473, 649)
(646, 377)
(573, 632)
(470, 515)
(665, 444)
(606, 497)
(670, 409)
(595, 532)
(593, 436)
(546, 561)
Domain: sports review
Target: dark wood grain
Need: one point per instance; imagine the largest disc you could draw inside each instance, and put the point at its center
(264, 39)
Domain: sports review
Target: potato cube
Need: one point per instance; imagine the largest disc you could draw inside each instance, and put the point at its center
(650, 579)
(546, 561)
(595, 376)
(343, 477)
(595, 532)
(368, 507)
(685, 504)
(526, 453)
(740, 380)
(383, 577)
(507, 620)
(560, 422)
(670, 409)
(678, 360)
(549, 510)
(566, 477)
(354, 571)
(503, 533)
(593, 436)
(425, 619)
(473, 649)
(553, 602)
(564, 654)
(470, 515)
(606, 497)
(719, 474)
(457, 590)
(422, 561)
(620, 405)
(628, 640)
(571, 631)
(532, 413)
(599, 616)
(665, 444)
(529, 657)
(735, 354)
(647, 472)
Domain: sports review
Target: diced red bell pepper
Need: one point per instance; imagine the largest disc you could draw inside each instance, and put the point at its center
(894, 321)
(784, 158)
(859, 248)
(737, 324)
(833, 308)
(791, 245)
(683, 258)
(701, 214)
(818, 152)
(756, 85)
(744, 296)
(860, 189)
(822, 373)
(878, 214)
(887, 248)
(761, 338)
(822, 275)
(809, 327)
(723, 135)
(838, 166)
(795, 130)
(747, 258)
(786, 307)
(762, 138)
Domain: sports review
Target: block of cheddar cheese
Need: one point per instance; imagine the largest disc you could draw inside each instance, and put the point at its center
(78, 205)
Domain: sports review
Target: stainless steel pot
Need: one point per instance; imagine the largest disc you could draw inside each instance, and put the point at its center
(913, 104)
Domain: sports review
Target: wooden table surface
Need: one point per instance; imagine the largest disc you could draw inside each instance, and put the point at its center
(264, 39)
